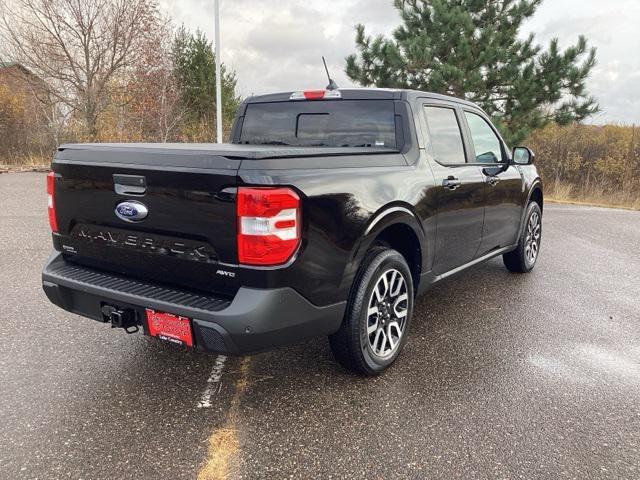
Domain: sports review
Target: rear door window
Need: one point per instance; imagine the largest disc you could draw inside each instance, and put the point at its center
(445, 135)
(331, 123)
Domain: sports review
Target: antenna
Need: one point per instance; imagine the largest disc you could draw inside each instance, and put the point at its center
(332, 85)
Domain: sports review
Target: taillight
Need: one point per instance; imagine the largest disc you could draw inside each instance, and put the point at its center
(268, 225)
(51, 201)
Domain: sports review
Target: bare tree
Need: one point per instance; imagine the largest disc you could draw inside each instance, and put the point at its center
(77, 46)
(154, 91)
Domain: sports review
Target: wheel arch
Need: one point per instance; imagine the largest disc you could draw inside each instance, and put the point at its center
(396, 226)
(535, 193)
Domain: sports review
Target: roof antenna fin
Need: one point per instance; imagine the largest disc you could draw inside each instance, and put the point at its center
(332, 85)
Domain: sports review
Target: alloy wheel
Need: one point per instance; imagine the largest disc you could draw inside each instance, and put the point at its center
(387, 313)
(532, 239)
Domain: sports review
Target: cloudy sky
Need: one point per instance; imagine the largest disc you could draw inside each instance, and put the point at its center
(277, 44)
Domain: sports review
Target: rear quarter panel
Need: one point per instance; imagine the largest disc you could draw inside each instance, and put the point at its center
(338, 206)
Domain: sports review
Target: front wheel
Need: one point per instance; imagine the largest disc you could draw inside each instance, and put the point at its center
(378, 315)
(524, 257)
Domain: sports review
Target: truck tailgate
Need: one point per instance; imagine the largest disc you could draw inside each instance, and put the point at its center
(190, 227)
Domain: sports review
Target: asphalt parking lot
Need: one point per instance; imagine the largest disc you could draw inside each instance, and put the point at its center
(504, 376)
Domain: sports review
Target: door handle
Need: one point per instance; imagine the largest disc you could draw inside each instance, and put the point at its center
(451, 182)
(129, 184)
(493, 181)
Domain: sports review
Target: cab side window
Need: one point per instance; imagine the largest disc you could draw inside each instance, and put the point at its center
(445, 135)
(485, 142)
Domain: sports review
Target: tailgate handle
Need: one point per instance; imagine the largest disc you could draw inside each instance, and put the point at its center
(130, 184)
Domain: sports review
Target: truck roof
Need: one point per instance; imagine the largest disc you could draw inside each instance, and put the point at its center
(367, 93)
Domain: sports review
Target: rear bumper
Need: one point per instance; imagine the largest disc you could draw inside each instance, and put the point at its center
(254, 320)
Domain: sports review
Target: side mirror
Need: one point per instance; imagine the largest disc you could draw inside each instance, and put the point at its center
(523, 156)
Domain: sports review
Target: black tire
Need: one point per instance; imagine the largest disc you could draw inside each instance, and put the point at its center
(521, 259)
(351, 345)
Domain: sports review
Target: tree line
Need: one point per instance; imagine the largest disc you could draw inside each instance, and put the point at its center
(595, 163)
(119, 70)
(105, 70)
(119, 67)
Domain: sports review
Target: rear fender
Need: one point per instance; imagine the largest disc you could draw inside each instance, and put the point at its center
(381, 220)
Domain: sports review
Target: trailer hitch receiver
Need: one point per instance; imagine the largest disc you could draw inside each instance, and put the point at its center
(121, 318)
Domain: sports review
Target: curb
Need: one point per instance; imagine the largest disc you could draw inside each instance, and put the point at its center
(589, 204)
(7, 169)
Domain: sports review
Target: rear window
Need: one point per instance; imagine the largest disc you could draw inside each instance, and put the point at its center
(330, 123)
(445, 135)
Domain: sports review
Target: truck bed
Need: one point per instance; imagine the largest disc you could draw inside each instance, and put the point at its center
(227, 150)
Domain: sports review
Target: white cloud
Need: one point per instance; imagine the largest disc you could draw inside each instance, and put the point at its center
(277, 44)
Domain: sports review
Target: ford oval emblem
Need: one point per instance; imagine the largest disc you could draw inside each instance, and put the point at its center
(131, 211)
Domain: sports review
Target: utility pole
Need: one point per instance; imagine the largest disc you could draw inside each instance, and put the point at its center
(218, 79)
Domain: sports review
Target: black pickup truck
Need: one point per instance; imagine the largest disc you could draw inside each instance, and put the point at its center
(326, 215)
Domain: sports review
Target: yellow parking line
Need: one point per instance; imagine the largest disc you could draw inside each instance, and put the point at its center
(223, 442)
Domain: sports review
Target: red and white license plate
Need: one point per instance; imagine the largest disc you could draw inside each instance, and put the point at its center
(169, 327)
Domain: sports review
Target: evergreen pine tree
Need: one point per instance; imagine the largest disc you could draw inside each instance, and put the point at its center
(471, 49)
(195, 70)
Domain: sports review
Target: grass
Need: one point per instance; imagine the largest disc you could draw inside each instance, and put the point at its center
(24, 163)
(595, 195)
